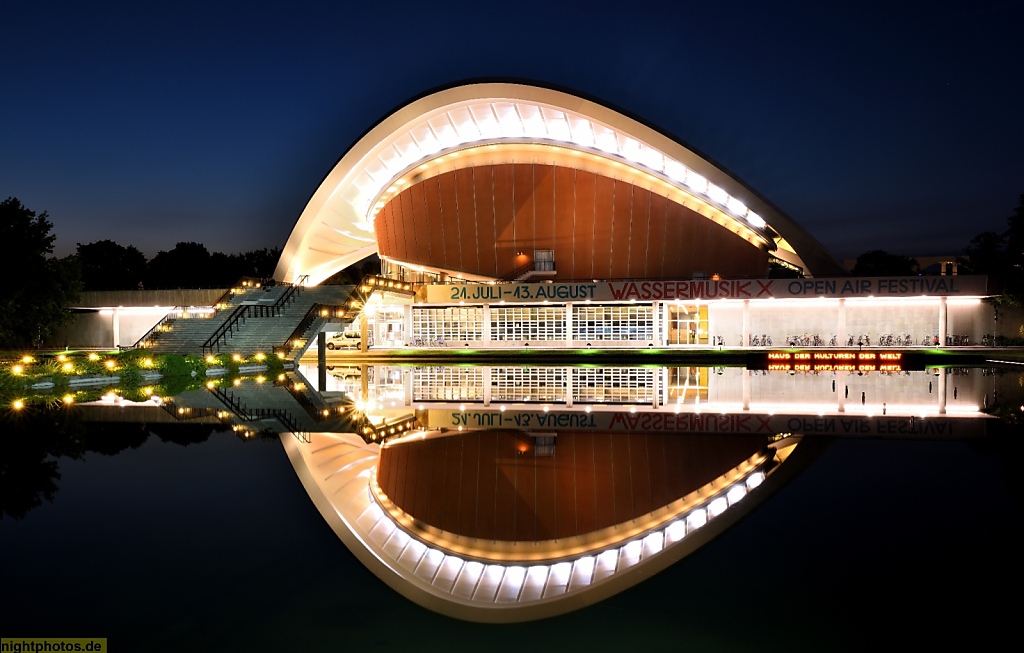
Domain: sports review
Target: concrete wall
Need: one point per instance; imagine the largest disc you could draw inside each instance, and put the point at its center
(137, 311)
(176, 297)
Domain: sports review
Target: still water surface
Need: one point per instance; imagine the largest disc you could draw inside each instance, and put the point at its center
(214, 545)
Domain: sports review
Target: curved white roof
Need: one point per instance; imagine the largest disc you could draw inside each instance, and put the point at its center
(336, 227)
(338, 472)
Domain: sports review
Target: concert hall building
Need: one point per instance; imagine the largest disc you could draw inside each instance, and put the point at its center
(525, 215)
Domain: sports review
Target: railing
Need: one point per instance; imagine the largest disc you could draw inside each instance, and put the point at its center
(145, 340)
(153, 334)
(244, 311)
(181, 413)
(315, 312)
(247, 414)
(300, 396)
(522, 270)
(347, 311)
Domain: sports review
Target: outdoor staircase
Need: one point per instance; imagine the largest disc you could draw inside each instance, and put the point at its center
(248, 320)
(183, 331)
(281, 318)
(265, 333)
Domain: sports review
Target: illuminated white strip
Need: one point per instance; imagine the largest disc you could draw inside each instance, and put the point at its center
(497, 121)
(469, 580)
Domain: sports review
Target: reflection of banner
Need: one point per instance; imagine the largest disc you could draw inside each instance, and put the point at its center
(706, 289)
(835, 361)
(745, 423)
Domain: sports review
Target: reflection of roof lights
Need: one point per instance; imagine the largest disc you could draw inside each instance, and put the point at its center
(513, 583)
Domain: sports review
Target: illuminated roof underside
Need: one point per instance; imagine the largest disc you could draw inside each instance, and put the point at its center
(336, 227)
(477, 585)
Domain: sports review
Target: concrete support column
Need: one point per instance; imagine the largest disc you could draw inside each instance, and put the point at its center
(321, 360)
(656, 323)
(745, 338)
(485, 375)
(841, 391)
(568, 324)
(115, 326)
(364, 381)
(486, 328)
(665, 324)
(841, 334)
(664, 385)
(655, 388)
(568, 387)
(943, 318)
(746, 389)
(364, 331)
(407, 380)
(407, 328)
(942, 391)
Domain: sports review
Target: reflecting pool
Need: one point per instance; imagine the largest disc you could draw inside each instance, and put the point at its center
(702, 507)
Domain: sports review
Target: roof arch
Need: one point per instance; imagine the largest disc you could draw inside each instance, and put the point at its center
(336, 227)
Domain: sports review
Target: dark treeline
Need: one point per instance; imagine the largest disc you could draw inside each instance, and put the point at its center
(106, 265)
(996, 254)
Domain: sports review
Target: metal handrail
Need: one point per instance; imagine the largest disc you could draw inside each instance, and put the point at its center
(342, 311)
(514, 274)
(171, 316)
(248, 310)
(312, 315)
(164, 320)
(532, 266)
(245, 413)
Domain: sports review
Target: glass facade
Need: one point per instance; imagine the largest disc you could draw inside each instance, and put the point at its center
(451, 324)
(528, 323)
(613, 322)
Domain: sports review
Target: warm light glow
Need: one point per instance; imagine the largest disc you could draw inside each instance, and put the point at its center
(261, 356)
(17, 369)
(718, 506)
(210, 360)
(94, 356)
(67, 367)
(696, 519)
(110, 365)
(69, 399)
(26, 359)
(755, 479)
(236, 357)
(18, 404)
(61, 357)
(735, 493)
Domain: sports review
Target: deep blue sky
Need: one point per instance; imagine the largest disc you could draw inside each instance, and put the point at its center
(152, 123)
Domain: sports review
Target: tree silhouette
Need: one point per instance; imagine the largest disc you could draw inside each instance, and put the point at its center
(35, 298)
(105, 265)
(185, 266)
(879, 263)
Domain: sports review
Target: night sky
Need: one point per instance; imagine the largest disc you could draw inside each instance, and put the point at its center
(153, 123)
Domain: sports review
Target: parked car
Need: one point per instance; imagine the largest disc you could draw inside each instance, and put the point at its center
(344, 340)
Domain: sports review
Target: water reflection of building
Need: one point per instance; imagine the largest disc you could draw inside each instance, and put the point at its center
(477, 526)
(520, 493)
(933, 392)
